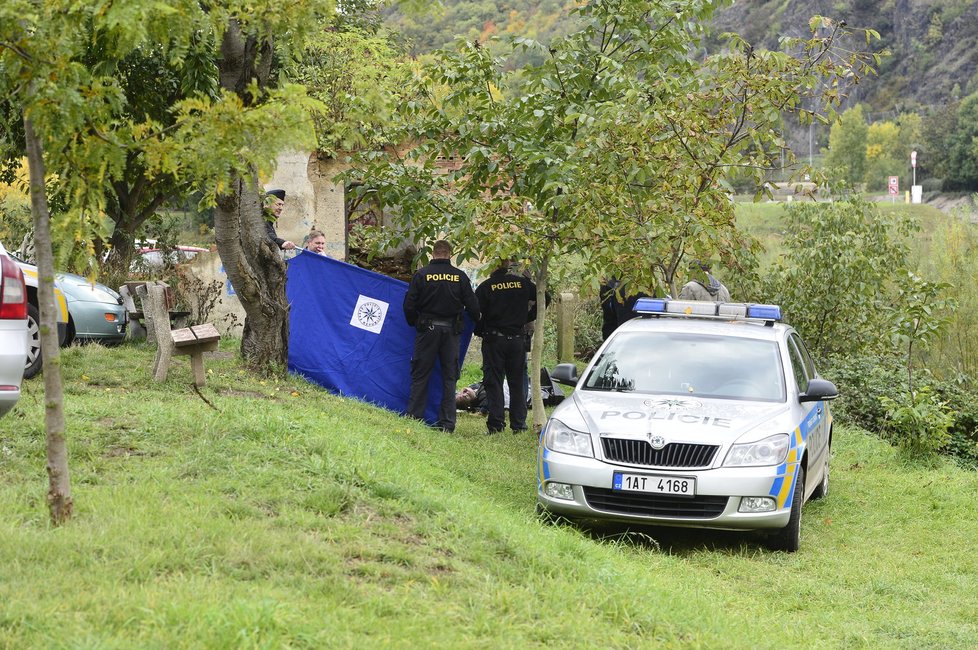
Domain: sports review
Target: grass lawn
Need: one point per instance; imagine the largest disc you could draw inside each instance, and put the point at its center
(275, 515)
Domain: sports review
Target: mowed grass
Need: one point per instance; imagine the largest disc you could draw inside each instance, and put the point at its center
(275, 515)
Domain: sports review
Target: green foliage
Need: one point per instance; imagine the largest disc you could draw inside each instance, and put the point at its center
(871, 385)
(917, 421)
(963, 147)
(920, 314)
(934, 156)
(358, 76)
(846, 157)
(15, 215)
(949, 254)
(835, 278)
(885, 155)
(863, 381)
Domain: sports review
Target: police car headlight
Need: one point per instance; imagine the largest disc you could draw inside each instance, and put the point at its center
(769, 451)
(561, 438)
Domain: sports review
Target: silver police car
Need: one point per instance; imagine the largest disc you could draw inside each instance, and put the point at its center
(699, 414)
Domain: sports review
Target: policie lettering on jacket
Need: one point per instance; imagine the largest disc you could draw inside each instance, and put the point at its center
(439, 291)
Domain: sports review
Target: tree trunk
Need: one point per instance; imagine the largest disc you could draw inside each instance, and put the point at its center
(252, 261)
(257, 273)
(59, 484)
(536, 350)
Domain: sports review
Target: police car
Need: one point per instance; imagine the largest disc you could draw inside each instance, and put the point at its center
(699, 414)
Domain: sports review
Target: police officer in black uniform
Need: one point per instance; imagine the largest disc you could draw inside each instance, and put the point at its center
(433, 305)
(273, 203)
(505, 300)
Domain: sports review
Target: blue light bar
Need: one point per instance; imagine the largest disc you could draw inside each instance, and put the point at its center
(764, 312)
(707, 309)
(650, 306)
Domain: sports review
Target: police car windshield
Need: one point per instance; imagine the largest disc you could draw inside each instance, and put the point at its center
(675, 363)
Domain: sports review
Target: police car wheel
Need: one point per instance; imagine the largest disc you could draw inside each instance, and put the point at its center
(822, 490)
(34, 342)
(788, 539)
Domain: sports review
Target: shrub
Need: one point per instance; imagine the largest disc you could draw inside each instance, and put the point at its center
(918, 421)
(863, 381)
(835, 280)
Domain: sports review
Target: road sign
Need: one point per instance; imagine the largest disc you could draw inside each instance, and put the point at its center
(893, 182)
(913, 159)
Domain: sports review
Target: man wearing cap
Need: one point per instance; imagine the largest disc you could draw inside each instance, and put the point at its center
(433, 305)
(703, 286)
(504, 300)
(272, 210)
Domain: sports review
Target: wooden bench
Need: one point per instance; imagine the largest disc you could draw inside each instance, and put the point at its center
(194, 341)
(140, 326)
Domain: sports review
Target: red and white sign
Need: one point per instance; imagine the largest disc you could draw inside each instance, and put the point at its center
(913, 159)
(893, 183)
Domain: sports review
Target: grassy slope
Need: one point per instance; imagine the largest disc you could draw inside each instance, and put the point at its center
(289, 517)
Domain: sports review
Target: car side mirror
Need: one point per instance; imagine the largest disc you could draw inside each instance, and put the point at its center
(565, 373)
(818, 390)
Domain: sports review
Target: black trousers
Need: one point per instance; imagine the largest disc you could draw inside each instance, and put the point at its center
(434, 343)
(504, 358)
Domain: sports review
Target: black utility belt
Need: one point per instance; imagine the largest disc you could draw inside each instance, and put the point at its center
(438, 322)
(502, 335)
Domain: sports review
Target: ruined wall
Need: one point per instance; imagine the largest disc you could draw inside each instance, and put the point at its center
(312, 200)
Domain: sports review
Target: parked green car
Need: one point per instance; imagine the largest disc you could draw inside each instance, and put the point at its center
(95, 311)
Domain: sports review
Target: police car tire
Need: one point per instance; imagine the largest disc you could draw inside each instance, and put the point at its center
(788, 539)
(33, 367)
(822, 489)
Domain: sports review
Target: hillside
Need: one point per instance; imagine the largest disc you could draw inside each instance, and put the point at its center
(934, 43)
(275, 515)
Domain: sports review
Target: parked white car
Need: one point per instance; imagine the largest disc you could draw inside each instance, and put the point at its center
(697, 414)
(34, 357)
(13, 331)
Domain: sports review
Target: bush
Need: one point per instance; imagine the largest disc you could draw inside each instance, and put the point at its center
(918, 421)
(932, 184)
(865, 381)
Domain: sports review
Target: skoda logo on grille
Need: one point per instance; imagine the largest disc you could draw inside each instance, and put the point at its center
(657, 442)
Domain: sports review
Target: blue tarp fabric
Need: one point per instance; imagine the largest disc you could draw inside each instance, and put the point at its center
(347, 333)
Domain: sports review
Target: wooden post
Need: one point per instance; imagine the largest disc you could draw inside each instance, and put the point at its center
(134, 329)
(158, 320)
(142, 292)
(566, 306)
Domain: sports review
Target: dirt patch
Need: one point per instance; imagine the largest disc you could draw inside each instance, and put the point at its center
(122, 451)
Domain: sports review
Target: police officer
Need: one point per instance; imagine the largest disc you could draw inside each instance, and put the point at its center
(433, 305)
(505, 300)
(272, 207)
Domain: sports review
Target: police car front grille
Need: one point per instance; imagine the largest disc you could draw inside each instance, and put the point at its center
(675, 454)
(655, 505)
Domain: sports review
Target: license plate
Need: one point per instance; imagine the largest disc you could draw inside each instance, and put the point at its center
(683, 486)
